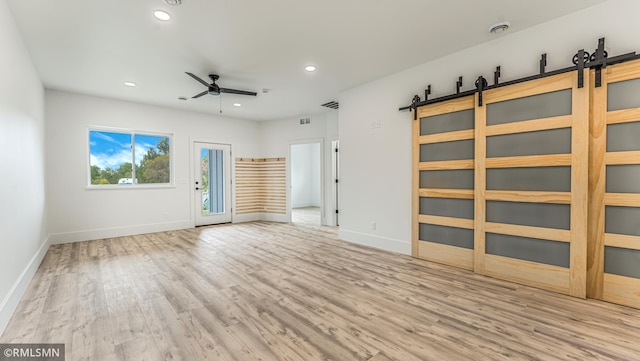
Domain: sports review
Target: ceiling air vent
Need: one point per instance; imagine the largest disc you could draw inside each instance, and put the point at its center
(332, 105)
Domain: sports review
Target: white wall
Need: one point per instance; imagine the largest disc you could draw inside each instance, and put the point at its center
(277, 136)
(375, 164)
(305, 175)
(77, 213)
(22, 167)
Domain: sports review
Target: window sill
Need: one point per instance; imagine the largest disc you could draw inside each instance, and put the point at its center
(130, 187)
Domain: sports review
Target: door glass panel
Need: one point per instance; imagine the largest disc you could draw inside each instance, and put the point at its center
(450, 236)
(532, 107)
(623, 95)
(552, 179)
(528, 249)
(554, 141)
(623, 137)
(623, 178)
(622, 261)
(448, 122)
(212, 165)
(452, 179)
(530, 214)
(459, 149)
(622, 220)
(447, 207)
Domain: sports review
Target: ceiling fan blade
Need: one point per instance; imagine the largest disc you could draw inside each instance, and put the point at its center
(239, 92)
(201, 94)
(198, 79)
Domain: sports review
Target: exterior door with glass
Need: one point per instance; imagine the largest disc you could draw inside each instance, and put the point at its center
(212, 188)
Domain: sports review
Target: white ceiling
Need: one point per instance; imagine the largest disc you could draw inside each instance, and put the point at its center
(92, 47)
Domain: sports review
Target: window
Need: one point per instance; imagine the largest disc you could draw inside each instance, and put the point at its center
(126, 158)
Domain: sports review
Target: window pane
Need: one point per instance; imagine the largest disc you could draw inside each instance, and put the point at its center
(110, 158)
(152, 158)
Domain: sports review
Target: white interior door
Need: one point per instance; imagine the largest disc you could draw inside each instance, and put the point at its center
(212, 188)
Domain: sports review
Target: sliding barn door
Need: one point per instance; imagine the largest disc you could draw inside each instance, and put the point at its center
(443, 207)
(531, 182)
(614, 232)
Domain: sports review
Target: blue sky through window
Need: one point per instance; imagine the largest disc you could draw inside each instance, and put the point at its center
(109, 150)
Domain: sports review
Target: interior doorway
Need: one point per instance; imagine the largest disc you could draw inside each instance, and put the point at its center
(306, 183)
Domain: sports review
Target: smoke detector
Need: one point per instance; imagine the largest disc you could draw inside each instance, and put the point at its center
(499, 27)
(173, 2)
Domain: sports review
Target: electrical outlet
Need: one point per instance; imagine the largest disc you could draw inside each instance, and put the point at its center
(373, 226)
(165, 215)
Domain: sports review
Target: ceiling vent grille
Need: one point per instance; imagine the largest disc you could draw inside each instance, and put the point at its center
(332, 105)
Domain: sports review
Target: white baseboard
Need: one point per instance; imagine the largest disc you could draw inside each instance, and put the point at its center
(88, 235)
(387, 244)
(241, 218)
(10, 302)
(270, 217)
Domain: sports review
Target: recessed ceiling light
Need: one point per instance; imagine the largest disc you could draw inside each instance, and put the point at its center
(310, 68)
(129, 83)
(237, 104)
(499, 27)
(162, 15)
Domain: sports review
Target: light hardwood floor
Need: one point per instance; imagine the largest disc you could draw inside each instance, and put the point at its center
(266, 291)
(308, 216)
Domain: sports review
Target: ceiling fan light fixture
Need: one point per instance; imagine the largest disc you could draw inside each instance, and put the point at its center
(499, 28)
(162, 15)
(310, 68)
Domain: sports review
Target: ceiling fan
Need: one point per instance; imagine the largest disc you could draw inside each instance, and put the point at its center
(214, 89)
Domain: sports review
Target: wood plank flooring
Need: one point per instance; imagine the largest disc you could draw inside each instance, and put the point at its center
(268, 291)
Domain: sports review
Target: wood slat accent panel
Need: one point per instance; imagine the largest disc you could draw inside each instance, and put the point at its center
(623, 115)
(529, 88)
(446, 193)
(622, 241)
(622, 199)
(534, 274)
(529, 196)
(563, 121)
(446, 137)
(447, 164)
(560, 235)
(551, 160)
(632, 157)
(622, 290)
(450, 255)
(261, 185)
(446, 221)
